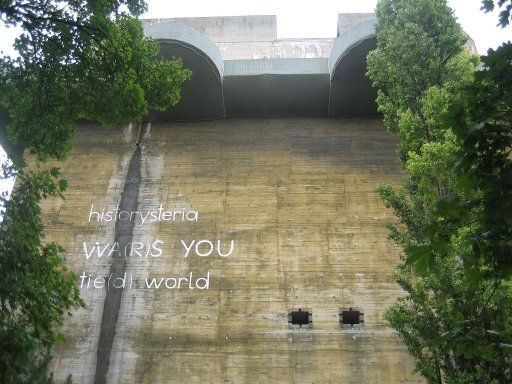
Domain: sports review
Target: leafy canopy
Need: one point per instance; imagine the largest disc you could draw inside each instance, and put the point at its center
(35, 287)
(454, 203)
(415, 46)
(80, 60)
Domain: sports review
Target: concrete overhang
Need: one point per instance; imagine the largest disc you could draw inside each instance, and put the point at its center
(201, 97)
(351, 92)
(333, 86)
(276, 87)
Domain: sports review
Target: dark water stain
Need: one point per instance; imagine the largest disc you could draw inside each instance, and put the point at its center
(124, 236)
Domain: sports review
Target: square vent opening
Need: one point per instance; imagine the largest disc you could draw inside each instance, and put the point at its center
(300, 317)
(351, 317)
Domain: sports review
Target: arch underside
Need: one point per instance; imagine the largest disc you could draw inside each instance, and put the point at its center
(334, 86)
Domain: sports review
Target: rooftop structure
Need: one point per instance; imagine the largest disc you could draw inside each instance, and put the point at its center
(241, 69)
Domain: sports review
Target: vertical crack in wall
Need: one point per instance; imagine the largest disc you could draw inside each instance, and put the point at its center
(123, 235)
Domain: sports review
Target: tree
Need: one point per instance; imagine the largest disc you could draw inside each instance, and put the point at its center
(412, 56)
(78, 60)
(35, 287)
(455, 316)
(485, 164)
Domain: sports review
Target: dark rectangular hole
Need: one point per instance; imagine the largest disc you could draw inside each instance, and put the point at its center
(299, 317)
(351, 317)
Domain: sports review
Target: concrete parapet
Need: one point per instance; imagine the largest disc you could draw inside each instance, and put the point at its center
(224, 29)
(349, 20)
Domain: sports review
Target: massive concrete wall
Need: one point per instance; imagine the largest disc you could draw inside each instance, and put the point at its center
(296, 196)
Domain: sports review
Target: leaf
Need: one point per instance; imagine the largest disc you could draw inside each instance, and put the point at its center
(60, 338)
(449, 208)
(506, 347)
(424, 264)
(475, 275)
(440, 247)
(466, 182)
(420, 256)
(63, 184)
(415, 252)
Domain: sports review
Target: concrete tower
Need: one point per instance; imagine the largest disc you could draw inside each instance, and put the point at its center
(237, 237)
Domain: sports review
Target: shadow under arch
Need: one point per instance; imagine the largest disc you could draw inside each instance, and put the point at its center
(351, 92)
(201, 97)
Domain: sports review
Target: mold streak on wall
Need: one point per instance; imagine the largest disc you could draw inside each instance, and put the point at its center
(123, 236)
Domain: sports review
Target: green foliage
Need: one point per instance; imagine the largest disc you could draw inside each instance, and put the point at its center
(454, 206)
(85, 61)
(453, 320)
(414, 46)
(35, 287)
(485, 164)
(78, 60)
(441, 322)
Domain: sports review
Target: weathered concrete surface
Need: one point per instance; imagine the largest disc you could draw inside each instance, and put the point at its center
(349, 20)
(255, 37)
(203, 58)
(312, 48)
(221, 29)
(297, 196)
(351, 92)
(96, 171)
